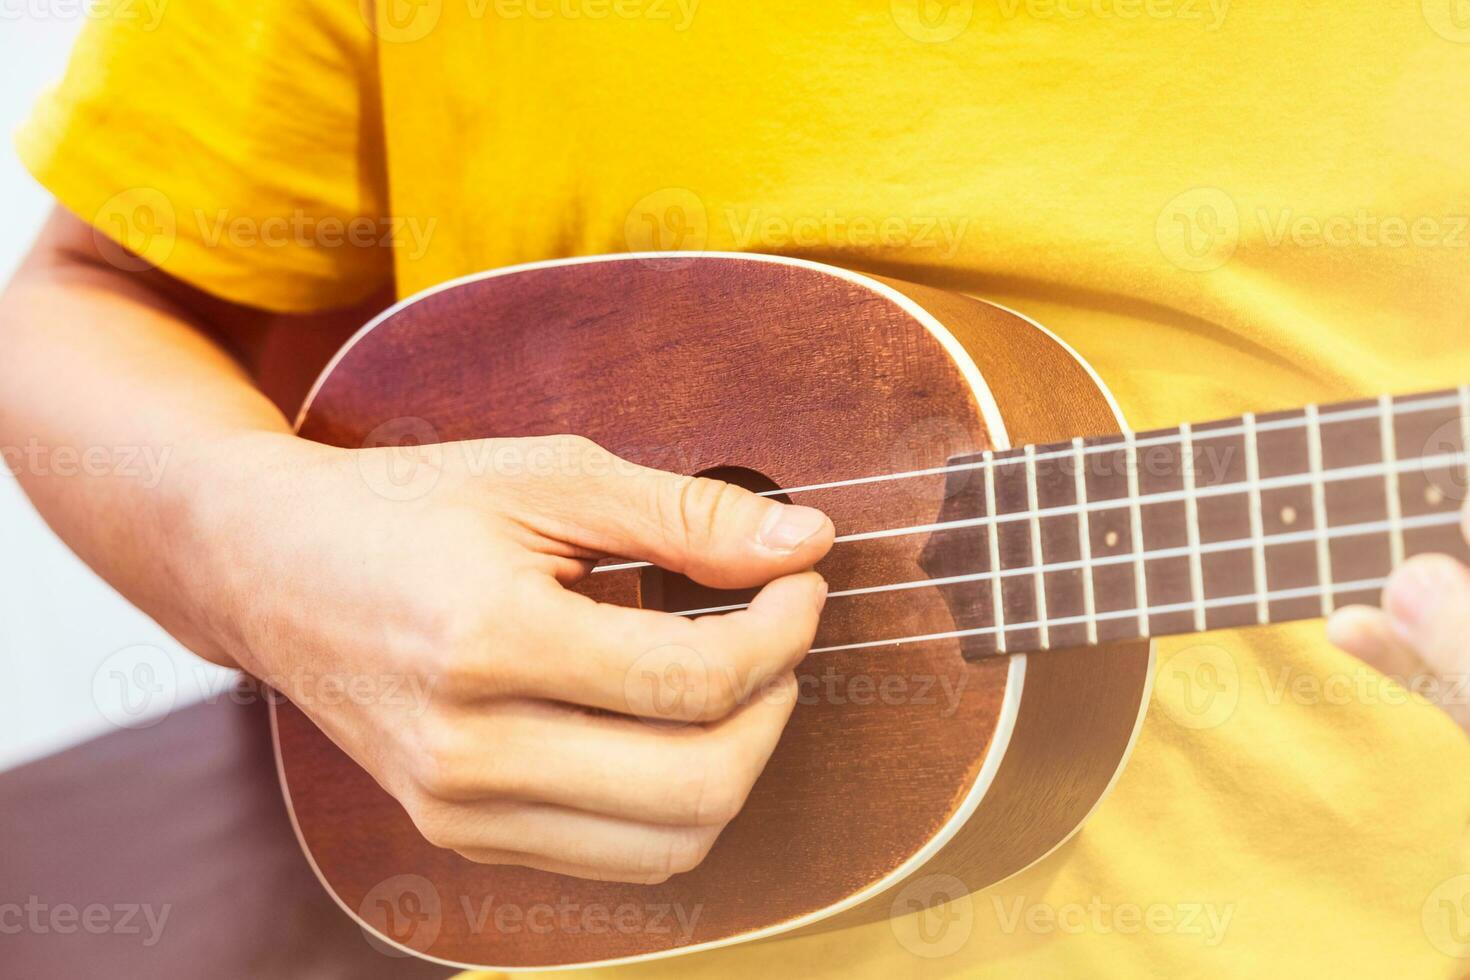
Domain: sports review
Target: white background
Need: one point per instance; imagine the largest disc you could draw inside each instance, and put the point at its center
(76, 660)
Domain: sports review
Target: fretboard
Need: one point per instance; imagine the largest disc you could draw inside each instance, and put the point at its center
(1251, 520)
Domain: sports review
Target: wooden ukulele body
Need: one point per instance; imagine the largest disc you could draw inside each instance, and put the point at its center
(907, 773)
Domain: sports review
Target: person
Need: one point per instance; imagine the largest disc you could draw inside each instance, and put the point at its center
(1223, 208)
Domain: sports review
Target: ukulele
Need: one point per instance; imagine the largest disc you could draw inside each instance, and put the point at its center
(1006, 550)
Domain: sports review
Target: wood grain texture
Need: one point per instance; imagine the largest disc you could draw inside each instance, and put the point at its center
(1081, 706)
(802, 376)
(1342, 494)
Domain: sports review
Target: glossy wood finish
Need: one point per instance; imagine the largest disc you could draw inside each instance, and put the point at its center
(1082, 707)
(1214, 525)
(693, 364)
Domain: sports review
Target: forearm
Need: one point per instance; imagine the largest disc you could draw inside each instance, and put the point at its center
(426, 635)
(116, 412)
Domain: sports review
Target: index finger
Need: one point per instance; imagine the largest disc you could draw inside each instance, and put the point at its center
(660, 665)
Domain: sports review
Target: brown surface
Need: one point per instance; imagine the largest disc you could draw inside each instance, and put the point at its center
(698, 364)
(1353, 520)
(186, 815)
(1080, 705)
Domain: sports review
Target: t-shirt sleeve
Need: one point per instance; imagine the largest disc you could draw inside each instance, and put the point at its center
(237, 145)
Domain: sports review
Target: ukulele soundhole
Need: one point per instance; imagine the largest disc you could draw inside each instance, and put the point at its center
(671, 592)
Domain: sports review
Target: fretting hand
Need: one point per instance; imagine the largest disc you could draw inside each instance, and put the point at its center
(1421, 636)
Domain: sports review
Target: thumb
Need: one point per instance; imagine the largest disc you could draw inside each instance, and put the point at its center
(717, 533)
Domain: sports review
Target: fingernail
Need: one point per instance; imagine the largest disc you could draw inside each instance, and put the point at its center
(1342, 629)
(787, 526)
(1413, 594)
(1351, 628)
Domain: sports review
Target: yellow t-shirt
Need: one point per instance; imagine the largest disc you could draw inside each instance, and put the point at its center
(1223, 207)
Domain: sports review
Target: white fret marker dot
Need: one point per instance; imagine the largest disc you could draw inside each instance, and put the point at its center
(1433, 495)
(1111, 539)
(1288, 514)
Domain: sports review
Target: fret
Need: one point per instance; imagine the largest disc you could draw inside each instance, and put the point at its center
(1135, 520)
(1286, 478)
(1110, 535)
(1265, 518)
(1331, 477)
(1191, 521)
(1248, 598)
(1084, 537)
(1391, 480)
(1220, 461)
(998, 586)
(1435, 432)
(1258, 548)
(1163, 517)
(1022, 601)
(1353, 493)
(1307, 536)
(1319, 507)
(1060, 541)
(1443, 523)
(1038, 557)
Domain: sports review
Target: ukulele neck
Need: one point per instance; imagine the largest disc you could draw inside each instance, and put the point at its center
(1252, 520)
